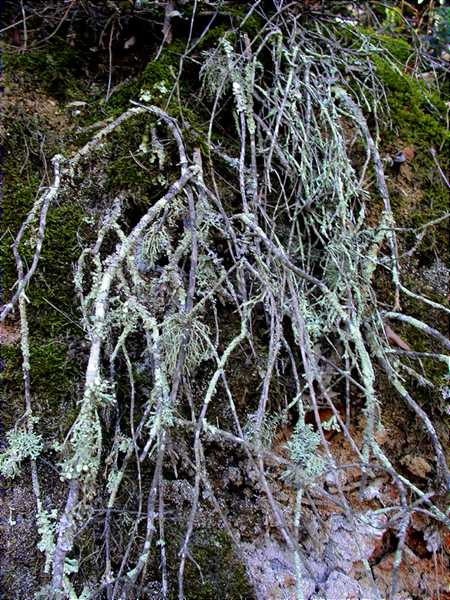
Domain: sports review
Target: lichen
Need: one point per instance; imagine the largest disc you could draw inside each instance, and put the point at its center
(21, 445)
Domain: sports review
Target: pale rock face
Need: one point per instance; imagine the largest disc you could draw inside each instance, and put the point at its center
(330, 570)
(271, 571)
(339, 585)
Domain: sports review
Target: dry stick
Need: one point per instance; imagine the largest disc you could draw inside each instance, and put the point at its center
(52, 193)
(280, 115)
(191, 226)
(162, 541)
(381, 182)
(167, 26)
(153, 350)
(444, 358)
(25, 28)
(108, 90)
(425, 300)
(403, 528)
(311, 372)
(280, 254)
(132, 447)
(140, 568)
(133, 575)
(419, 325)
(198, 428)
(404, 522)
(161, 393)
(163, 402)
(439, 168)
(194, 505)
(43, 203)
(443, 472)
(424, 497)
(25, 348)
(65, 526)
(274, 349)
(353, 328)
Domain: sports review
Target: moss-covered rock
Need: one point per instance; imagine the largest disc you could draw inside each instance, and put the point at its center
(418, 117)
(55, 67)
(213, 569)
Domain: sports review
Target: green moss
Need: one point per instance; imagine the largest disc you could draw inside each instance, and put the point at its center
(56, 68)
(161, 69)
(52, 284)
(418, 116)
(214, 35)
(146, 180)
(51, 367)
(212, 551)
(123, 171)
(54, 376)
(156, 71)
(252, 26)
(52, 310)
(397, 47)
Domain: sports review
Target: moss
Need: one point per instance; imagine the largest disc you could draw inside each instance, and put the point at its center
(398, 48)
(214, 35)
(417, 113)
(129, 169)
(54, 377)
(56, 68)
(252, 26)
(52, 284)
(121, 155)
(418, 121)
(51, 369)
(212, 551)
(52, 311)
(156, 71)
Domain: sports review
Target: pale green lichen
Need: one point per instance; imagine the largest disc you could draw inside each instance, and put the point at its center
(22, 445)
(303, 451)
